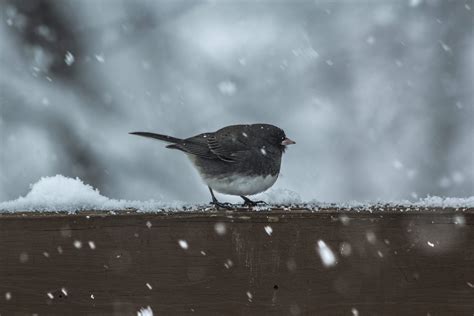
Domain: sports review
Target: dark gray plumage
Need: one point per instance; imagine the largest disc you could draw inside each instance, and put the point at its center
(237, 159)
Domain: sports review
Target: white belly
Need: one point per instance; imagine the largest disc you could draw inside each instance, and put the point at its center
(246, 185)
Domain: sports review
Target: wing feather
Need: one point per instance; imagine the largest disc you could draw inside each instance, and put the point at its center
(208, 146)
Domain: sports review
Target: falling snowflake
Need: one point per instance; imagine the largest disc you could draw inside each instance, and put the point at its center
(249, 296)
(327, 256)
(69, 58)
(220, 228)
(345, 249)
(100, 58)
(228, 264)
(370, 237)
(183, 244)
(268, 230)
(145, 311)
(227, 88)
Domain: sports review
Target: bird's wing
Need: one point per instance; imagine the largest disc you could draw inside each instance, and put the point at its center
(211, 146)
(226, 149)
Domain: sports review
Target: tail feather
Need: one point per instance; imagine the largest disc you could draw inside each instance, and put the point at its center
(165, 138)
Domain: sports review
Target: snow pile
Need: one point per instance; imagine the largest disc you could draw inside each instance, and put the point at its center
(436, 201)
(428, 202)
(60, 193)
(279, 197)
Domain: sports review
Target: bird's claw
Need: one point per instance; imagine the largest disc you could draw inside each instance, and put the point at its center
(226, 205)
(251, 203)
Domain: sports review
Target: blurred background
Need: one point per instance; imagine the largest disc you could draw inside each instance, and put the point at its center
(378, 95)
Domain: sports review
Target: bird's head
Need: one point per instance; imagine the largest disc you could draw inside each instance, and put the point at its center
(274, 136)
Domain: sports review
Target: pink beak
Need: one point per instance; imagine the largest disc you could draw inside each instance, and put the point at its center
(287, 141)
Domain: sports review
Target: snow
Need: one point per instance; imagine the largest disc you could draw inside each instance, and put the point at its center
(8, 296)
(69, 58)
(459, 220)
(280, 196)
(327, 256)
(371, 238)
(220, 228)
(227, 88)
(59, 193)
(415, 3)
(445, 47)
(183, 244)
(77, 244)
(345, 220)
(91, 244)
(268, 230)
(345, 249)
(145, 311)
(228, 264)
(249, 296)
(99, 58)
(430, 244)
(148, 285)
(24, 257)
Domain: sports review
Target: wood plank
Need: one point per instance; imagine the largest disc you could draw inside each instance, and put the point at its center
(410, 263)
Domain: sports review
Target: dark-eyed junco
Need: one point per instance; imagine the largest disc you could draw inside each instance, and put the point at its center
(237, 160)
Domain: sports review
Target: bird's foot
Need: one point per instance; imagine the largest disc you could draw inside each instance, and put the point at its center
(225, 205)
(249, 203)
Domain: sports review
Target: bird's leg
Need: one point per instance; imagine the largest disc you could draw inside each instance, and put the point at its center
(249, 202)
(218, 204)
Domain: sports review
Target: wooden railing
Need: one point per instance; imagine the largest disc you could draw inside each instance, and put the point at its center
(383, 261)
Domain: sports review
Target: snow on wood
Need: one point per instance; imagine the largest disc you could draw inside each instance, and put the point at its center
(60, 193)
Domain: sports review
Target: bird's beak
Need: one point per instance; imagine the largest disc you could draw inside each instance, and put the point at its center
(287, 141)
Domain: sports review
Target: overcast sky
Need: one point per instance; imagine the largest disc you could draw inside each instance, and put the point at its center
(378, 95)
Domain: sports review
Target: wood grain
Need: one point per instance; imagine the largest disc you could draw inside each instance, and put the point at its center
(410, 263)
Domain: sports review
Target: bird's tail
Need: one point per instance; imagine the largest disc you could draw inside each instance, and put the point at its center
(165, 138)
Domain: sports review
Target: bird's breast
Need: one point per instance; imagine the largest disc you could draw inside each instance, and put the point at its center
(240, 184)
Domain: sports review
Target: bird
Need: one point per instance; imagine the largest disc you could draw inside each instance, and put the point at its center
(239, 160)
